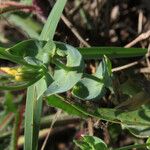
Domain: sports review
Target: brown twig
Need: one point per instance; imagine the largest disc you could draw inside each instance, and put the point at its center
(125, 66)
(90, 127)
(7, 119)
(141, 37)
(140, 21)
(20, 119)
(74, 31)
(49, 132)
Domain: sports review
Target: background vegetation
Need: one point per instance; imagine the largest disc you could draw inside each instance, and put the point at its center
(81, 116)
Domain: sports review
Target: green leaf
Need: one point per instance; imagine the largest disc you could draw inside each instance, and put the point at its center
(65, 78)
(59, 102)
(30, 51)
(112, 52)
(148, 142)
(89, 88)
(63, 81)
(137, 117)
(28, 25)
(130, 87)
(32, 118)
(41, 85)
(33, 112)
(138, 130)
(91, 143)
(52, 21)
(27, 48)
(140, 117)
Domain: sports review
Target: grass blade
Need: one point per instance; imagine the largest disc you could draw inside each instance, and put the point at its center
(34, 104)
(113, 52)
(27, 25)
(32, 119)
(52, 21)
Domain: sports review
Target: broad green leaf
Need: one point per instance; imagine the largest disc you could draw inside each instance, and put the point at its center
(91, 143)
(63, 81)
(138, 130)
(89, 88)
(27, 48)
(136, 117)
(112, 52)
(32, 51)
(65, 78)
(52, 21)
(140, 117)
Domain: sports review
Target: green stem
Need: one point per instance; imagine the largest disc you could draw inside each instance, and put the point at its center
(85, 75)
(62, 66)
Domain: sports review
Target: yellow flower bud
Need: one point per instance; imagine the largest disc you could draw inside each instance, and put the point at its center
(8, 70)
(21, 73)
(15, 72)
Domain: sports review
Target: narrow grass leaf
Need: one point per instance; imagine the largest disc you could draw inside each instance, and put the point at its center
(29, 27)
(112, 52)
(59, 102)
(32, 118)
(52, 21)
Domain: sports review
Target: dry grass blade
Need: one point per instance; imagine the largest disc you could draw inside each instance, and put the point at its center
(49, 132)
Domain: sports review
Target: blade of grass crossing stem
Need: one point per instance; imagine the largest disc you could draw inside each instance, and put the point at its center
(52, 21)
(34, 105)
(32, 118)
